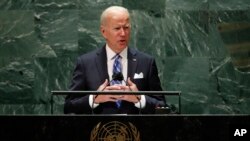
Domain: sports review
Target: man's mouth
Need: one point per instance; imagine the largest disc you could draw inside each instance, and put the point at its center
(122, 41)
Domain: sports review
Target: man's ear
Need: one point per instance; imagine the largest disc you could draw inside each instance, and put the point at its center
(102, 29)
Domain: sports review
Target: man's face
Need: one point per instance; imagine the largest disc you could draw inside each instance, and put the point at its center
(116, 30)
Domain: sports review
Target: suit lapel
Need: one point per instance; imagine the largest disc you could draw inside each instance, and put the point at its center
(101, 64)
(132, 63)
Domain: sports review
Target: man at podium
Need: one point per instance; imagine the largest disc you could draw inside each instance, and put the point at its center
(115, 67)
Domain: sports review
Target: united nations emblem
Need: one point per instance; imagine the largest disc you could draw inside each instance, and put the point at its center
(114, 131)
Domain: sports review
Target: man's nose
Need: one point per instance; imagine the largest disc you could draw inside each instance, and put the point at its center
(122, 31)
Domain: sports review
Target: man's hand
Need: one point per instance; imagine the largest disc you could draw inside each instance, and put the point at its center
(131, 87)
(113, 98)
(107, 97)
(103, 86)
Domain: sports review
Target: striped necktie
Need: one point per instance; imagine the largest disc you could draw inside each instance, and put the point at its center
(117, 68)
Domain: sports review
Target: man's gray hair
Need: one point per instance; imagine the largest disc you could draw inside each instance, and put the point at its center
(110, 9)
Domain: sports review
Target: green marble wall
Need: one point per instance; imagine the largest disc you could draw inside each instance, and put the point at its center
(202, 48)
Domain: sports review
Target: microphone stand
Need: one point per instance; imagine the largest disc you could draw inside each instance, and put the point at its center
(92, 107)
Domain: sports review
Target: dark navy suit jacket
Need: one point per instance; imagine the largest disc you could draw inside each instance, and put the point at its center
(91, 71)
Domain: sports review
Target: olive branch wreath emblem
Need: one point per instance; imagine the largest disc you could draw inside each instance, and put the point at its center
(96, 129)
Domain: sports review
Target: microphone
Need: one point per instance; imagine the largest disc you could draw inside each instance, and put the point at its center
(118, 76)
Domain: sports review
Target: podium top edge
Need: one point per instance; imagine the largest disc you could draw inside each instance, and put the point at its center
(116, 92)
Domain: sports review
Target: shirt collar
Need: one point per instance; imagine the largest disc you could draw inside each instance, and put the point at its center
(111, 53)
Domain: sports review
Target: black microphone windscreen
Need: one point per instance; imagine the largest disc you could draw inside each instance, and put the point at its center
(118, 76)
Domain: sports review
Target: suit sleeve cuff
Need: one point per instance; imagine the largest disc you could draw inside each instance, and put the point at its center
(91, 102)
(142, 103)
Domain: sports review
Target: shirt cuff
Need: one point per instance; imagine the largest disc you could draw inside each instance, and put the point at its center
(142, 103)
(91, 102)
